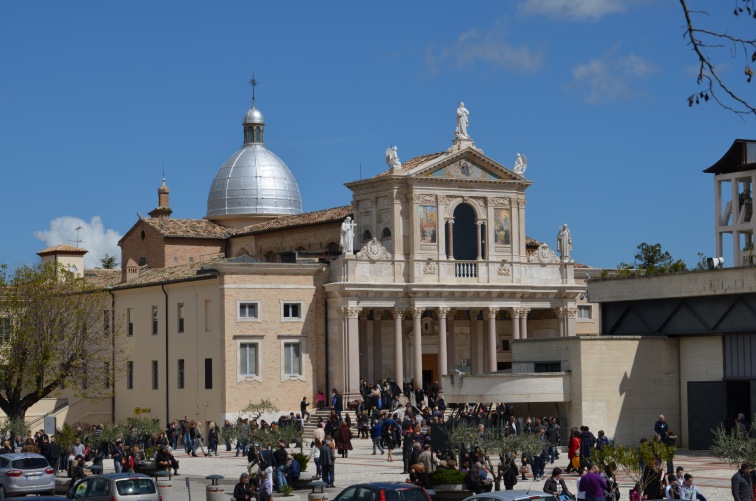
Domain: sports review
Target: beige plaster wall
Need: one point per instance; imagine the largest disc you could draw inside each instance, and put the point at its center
(618, 384)
(193, 345)
(701, 359)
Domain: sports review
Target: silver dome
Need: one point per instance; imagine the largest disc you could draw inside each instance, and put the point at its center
(253, 116)
(254, 181)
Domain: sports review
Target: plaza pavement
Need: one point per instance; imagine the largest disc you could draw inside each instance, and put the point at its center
(711, 476)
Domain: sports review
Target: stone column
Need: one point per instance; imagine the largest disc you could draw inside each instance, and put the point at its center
(417, 346)
(451, 345)
(398, 349)
(571, 321)
(478, 225)
(524, 322)
(442, 354)
(377, 346)
(474, 342)
(364, 345)
(450, 225)
(515, 323)
(352, 353)
(490, 345)
(560, 313)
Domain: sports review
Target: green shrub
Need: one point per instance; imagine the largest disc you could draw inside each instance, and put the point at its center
(287, 489)
(447, 477)
(302, 459)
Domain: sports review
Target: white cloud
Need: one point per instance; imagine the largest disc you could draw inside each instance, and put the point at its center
(489, 47)
(93, 236)
(611, 78)
(581, 10)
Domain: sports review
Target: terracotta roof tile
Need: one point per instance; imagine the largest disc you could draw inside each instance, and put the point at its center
(62, 249)
(149, 276)
(102, 278)
(188, 228)
(305, 219)
(414, 162)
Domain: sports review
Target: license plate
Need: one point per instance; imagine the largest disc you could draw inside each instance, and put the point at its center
(33, 477)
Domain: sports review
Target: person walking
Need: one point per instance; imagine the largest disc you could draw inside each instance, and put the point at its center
(327, 460)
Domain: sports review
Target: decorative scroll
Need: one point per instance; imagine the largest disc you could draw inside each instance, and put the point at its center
(544, 255)
(374, 251)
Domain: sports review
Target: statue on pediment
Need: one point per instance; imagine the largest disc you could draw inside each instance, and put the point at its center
(521, 163)
(392, 159)
(462, 121)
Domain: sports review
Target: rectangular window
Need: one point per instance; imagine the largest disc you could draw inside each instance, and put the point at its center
(208, 373)
(154, 375)
(106, 322)
(181, 318)
(130, 321)
(584, 312)
(154, 320)
(291, 311)
(505, 345)
(292, 360)
(107, 375)
(547, 367)
(129, 375)
(248, 359)
(5, 329)
(181, 374)
(248, 311)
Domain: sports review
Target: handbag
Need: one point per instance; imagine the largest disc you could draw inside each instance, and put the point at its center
(575, 461)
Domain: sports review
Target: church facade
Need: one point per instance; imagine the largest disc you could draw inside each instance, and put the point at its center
(427, 273)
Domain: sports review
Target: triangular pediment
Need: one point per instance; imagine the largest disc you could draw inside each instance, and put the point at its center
(468, 164)
(464, 169)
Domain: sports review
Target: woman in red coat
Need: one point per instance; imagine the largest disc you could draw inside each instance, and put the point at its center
(344, 439)
(573, 449)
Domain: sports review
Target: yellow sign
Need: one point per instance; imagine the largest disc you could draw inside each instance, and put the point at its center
(139, 410)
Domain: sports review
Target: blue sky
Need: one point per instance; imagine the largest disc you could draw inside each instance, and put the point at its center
(95, 97)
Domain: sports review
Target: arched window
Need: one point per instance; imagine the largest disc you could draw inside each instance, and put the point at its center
(333, 249)
(367, 236)
(142, 261)
(386, 235)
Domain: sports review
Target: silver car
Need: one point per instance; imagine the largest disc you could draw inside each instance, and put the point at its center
(25, 473)
(115, 486)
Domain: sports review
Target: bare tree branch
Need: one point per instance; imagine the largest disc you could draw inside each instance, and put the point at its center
(701, 39)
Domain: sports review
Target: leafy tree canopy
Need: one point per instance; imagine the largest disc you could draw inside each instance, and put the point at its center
(651, 259)
(55, 331)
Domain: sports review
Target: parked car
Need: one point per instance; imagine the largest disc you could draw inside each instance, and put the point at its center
(25, 473)
(518, 495)
(115, 487)
(383, 491)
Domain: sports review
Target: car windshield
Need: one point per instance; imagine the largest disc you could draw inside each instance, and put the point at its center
(29, 463)
(406, 494)
(134, 486)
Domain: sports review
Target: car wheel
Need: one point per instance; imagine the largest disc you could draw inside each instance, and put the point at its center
(2, 492)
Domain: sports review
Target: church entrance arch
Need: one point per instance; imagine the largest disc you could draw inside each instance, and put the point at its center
(465, 237)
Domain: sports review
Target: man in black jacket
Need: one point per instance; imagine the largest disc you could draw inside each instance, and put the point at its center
(742, 486)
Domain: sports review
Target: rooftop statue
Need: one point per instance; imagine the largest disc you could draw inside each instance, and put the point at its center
(462, 121)
(347, 235)
(392, 159)
(564, 243)
(521, 163)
